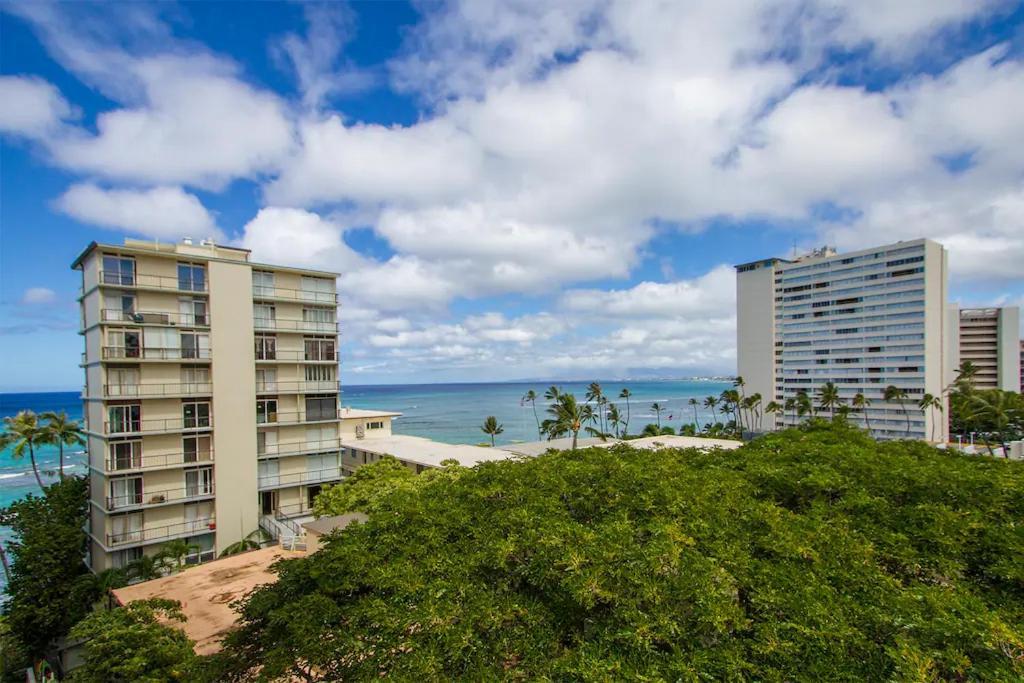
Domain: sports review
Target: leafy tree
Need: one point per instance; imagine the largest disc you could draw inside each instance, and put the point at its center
(62, 431)
(50, 587)
(132, 643)
(174, 553)
(897, 395)
(531, 398)
(828, 398)
(254, 540)
(24, 433)
(567, 417)
(146, 567)
(812, 554)
(492, 428)
(1000, 413)
(362, 491)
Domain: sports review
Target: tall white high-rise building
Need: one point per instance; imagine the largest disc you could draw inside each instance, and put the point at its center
(990, 339)
(864, 320)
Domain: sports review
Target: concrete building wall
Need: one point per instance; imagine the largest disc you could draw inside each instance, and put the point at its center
(755, 328)
(1009, 348)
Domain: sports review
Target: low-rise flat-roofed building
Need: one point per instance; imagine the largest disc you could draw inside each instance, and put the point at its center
(863, 320)
(990, 339)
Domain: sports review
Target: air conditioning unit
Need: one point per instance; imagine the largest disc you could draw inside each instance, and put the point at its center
(360, 431)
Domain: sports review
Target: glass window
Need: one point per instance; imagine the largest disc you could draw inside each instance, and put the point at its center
(195, 415)
(266, 347)
(125, 455)
(123, 558)
(321, 407)
(193, 312)
(118, 270)
(196, 448)
(199, 481)
(318, 319)
(191, 277)
(262, 283)
(264, 315)
(124, 418)
(266, 379)
(195, 345)
(266, 410)
(319, 348)
(123, 343)
(125, 491)
(318, 289)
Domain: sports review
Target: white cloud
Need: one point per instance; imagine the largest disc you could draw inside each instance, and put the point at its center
(35, 296)
(712, 294)
(163, 212)
(32, 106)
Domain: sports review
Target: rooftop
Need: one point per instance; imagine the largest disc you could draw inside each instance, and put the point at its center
(360, 413)
(326, 525)
(534, 448)
(205, 592)
(420, 451)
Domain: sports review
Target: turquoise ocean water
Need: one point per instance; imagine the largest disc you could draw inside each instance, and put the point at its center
(446, 412)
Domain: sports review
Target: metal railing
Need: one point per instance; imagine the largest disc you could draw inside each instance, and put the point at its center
(299, 447)
(296, 417)
(297, 387)
(297, 356)
(151, 389)
(299, 295)
(169, 424)
(144, 462)
(176, 318)
(296, 325)
(192, 527)
(296, 478)
(150, 353)
(133, 500)
(152, 281)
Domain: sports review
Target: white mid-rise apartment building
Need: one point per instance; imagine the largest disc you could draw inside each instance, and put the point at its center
(990, 339)
(864, 320)
(211, 396)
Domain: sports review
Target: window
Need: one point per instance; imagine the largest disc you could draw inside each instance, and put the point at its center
(125, 491)
(262, 283)
(318, 289)
(319, 348)
(321, 407)
(126, 528)
(266, 441)
(318, 319)
(264, 315)
(201, 548)
(321, 436)
(191, 277)
(122, 381)
(376, 424)
(118, 270)
(198, 516)
(322, 466)
(123, 558)
(320, 373)
(125, 310)
(195, 378)
(199, 482)
(124, 418)
(266, 379)
(268, 472)
(266, 410)
(195, 345)
(266, 347)
(125, 455)
(193, 312)
(195, 415)
(196, 448)
(124, 343)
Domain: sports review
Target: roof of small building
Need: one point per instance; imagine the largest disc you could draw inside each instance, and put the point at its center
(421, 451)
(205, 592)
(362, 413)
(674, 441)
(534, 448)
(326, 525)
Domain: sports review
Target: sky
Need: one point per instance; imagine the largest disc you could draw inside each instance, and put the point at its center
(513, 190)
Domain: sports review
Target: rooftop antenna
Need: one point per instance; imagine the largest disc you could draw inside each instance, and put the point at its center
(794, 249)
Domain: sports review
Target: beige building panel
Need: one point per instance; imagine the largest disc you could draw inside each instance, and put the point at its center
(91, 308)
(160, 266)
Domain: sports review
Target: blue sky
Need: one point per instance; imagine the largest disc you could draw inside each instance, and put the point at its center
(511, 190)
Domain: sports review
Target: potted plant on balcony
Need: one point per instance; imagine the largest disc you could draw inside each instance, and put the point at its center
(212, 525)
(158, 498)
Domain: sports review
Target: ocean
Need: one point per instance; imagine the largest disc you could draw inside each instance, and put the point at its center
(445, 412)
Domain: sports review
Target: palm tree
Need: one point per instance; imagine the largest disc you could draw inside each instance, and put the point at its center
(567, 416)
(23, 432)
(828, 397)
(789, 406)
(174, 553)
(730, 404)
(861, 403)
(625, 394)
(146, 568)
(614, 418)
(693, 404)
(803, 404)
(1000, 408)
(656, 407)
(929, 402)
(711, 402)
(756, 400)
(897, 395)
(596, 394)
(492, 427)
(63, 432)
(773, 408)
(531, 398)
(253, 541)
(552, 393)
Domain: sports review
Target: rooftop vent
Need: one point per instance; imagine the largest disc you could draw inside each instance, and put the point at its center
(186, 240)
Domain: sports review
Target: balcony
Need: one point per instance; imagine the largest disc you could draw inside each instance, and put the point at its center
(295, 356)
(136, 353)
(295, 325)
(165, 318)
(156, 462)
(148, 390)
(296, 478)
(298, 387)
(299, 448)
(163, 497)
(267, 293)
(168, 425)
(275, 418)
(192, 527)
(143, 281)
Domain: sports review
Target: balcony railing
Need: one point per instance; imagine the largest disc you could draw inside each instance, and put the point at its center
(293, 355)
(145, 462)
(190, 528)
(296, 325)
(147, 390)
(297, 387)
(296, 478)
(151, 353)
(146, 498)
(151, 281)
(159, 425)
(299, 447)
(300, 295)
(176, 318)
(275, 418)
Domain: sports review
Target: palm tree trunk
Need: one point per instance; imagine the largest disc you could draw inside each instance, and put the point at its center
(907, 414)
(6, 563)
(61, 470)
(574, 435)
(492, 440)
(867, 420)
(535, 418)
(35, 468)
(626, 427)
(696, 427)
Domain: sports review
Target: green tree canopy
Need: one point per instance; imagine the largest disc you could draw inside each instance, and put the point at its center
(810, 554)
